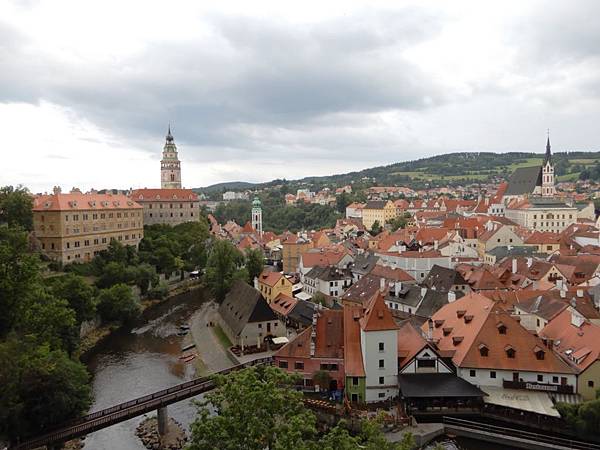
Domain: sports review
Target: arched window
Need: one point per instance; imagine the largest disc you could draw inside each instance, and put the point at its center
(172, 177)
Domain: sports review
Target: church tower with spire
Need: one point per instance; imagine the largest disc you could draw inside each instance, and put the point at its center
(548, 189)
(170, 166)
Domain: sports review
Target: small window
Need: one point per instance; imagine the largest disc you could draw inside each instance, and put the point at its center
(591, 383)
(283, 364)
(540, 378)
(298, 365)
(492, 374)
(472, 373)
(510, 353)
(381, 346)
(354, 381)
(382, 363)
(381, 380)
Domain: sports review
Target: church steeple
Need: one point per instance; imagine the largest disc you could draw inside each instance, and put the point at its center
(548, 156)
(170, 167)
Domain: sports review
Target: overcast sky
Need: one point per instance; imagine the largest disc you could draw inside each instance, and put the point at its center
(261, 90)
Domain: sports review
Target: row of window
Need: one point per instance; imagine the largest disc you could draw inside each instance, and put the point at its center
(97, 241)
(160, 206)
(180, 214)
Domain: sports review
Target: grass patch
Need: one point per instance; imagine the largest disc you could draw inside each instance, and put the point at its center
(223, 339)
(569, 177)
(585, 162)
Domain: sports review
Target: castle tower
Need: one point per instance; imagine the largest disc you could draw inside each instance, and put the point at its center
(257, 216)
(548, 189)
(170, 167)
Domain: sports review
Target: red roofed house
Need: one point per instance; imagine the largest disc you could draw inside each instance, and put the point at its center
(491, 349)
(271, 284)
(577, 340)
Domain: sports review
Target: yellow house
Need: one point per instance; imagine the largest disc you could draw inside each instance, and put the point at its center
(271, 284)
(378, 211)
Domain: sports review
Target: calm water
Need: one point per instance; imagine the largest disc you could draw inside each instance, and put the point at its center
(136, 362)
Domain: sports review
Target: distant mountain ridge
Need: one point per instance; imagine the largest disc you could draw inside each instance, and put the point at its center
(448, 167)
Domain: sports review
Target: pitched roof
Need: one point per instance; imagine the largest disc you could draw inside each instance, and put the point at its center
(376, 204)
(475, 321)
(377, 316)
(524, 180)
(77, 201)
(270, 278)
(410, 342)
(164, 194)
(391, 273)
(242, 305)
(578, 345)
(353, 362)
(283, 304)
(443, 278)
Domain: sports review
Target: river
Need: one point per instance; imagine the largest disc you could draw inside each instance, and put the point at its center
(137, 361)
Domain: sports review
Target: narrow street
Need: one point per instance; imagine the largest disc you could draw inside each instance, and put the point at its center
(214, 356)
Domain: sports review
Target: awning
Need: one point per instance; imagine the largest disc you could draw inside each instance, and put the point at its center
(531, 401)
(303, 296)
(436, 385)
(280, 340)
(574, 399)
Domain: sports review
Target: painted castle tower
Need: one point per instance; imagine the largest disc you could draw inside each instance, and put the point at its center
(257, 216)
(548, 189)
(170, 166)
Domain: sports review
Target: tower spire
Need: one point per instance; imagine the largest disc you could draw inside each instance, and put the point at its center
(548, 152)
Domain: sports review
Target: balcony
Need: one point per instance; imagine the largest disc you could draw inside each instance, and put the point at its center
(535, 386)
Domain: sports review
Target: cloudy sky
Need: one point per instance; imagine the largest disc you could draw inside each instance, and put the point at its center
(257, 90)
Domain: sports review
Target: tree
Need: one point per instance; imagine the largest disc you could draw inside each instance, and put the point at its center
(319, 298)
(41, 388)
(77, 293)
(223, 263)
(376, 228)
(398, 222)
(19, 276)
(165, 261)
(322, 379)
(117, 304)
(583, 417)
(113, 273)
(342, 201)
(255, 263)
(256, 409)
(50, 321)
(145, 277)
(16, 207)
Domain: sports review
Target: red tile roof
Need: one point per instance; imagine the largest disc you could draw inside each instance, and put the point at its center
(270, 278)
(164, 194)
(353, 362)
(83, 202)
(377, 316)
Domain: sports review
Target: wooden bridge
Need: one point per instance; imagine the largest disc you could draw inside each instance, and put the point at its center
(133, 408)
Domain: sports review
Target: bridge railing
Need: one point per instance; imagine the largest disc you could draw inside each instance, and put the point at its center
(132, 408)
(512, 432)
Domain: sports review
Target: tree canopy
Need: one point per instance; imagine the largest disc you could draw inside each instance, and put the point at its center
(15, 207)
(257, 408)
(223, 267)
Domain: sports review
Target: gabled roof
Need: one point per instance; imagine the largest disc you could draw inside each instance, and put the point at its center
(472, 321)
(410, 342)
(524, 180)
(242, 305)
(270, 278)
(77, 201)
(353, 362)
(377, 316)
(442, 278)
(283, 304)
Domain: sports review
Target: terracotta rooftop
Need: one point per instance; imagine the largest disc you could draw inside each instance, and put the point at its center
(377, 315)
(164, 194)
(83, 202)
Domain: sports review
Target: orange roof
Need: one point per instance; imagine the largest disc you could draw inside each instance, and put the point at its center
(377, 316)
(474, 321)
(583, 342)
(390, 273)
(330, 334)
(299, 347)
(325, 258)
(283, 304)
(248, 228)
(353, 362)
(164, 194)
(270, 278)
(410, 342)
(539, 237)
(82, 202)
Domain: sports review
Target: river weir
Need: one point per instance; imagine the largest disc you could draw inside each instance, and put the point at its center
(138, 360)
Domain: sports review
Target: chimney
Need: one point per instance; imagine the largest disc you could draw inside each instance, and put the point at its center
(382, 284)
(563, 293)
(577, 319)
(514, 265)
(451, 296)
(580, 293)
(435, 244)
(397, 288)
(423, 292)
(529, 262)
(430, 330)
(559, 283)
(56, 190)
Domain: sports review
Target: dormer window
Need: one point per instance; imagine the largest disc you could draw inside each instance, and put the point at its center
(438, 323)
(447, 331)
(510, 351)
(457, 340)
(460, 313)
(468, 318)
(483, 350)
(501, 328)
(539, 353)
